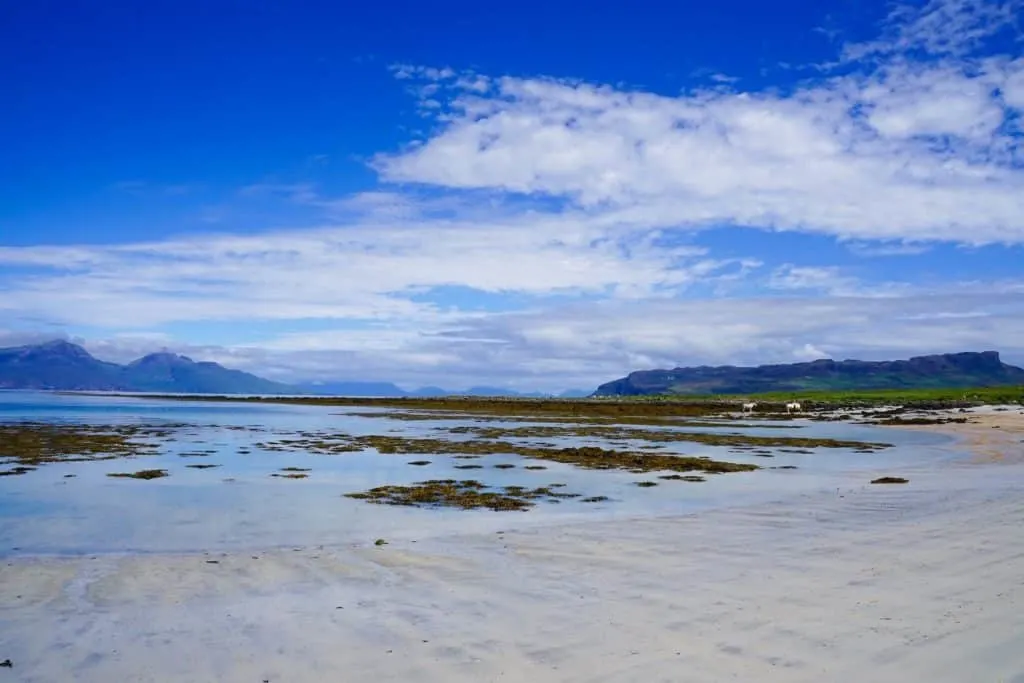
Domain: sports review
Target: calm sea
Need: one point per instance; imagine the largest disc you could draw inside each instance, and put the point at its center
(240, 505)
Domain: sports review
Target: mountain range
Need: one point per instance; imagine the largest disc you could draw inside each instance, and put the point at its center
(949, 370)
(63, 366)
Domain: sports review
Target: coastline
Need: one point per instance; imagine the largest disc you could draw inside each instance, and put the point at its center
(993, 434)
(902, 583)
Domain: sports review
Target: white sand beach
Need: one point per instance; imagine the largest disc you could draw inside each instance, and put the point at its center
(901, 583)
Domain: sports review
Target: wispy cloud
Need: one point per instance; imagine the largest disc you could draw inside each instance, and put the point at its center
(367, 271)
(939, 27)
(918, 151)
(888, 248)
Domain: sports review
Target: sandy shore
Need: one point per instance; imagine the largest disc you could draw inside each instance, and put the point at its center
(992, 434)
(922, 582)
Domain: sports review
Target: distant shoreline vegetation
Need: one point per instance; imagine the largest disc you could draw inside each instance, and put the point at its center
(668, 405)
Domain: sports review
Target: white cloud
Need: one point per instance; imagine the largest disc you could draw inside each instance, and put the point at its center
(372, 269)
(931, 101)
(939, 27)
(902, 150)
(829, 280)
(1013, 86)
(11, 337)
(887, 248)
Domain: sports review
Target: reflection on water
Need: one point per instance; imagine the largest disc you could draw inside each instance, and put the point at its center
(239, 504)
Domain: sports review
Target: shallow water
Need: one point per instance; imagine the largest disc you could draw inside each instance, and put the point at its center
(240, 505)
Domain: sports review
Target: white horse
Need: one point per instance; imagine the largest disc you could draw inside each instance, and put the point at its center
(790, 407)
(749, 407)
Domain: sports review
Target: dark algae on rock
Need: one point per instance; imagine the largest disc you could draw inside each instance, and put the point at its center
(466, 494)
(33, 443)
(589, 457)
(141, 474)
(593, 457)
(666, 436)
(14, 471)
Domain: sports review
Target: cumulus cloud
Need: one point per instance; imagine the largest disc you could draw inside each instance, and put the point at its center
(899, 148)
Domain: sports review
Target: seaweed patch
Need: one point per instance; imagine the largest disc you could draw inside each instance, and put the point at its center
(466, 494)
(683, 477)
(141, 474)
(890, 480)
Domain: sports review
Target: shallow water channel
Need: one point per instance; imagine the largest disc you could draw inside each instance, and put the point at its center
(76, 508)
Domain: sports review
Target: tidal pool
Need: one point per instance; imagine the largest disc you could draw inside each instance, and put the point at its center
(243, 475)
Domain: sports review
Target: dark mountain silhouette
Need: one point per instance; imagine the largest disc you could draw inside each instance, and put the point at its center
(944, 370)
(61, 365)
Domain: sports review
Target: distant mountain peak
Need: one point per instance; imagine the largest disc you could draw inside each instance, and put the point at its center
(60, 346)
(161, 358)
(56, 344)
(61, 365)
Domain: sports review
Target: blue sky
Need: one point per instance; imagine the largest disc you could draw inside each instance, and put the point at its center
(537, 195)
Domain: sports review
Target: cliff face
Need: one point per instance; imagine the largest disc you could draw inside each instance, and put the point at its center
(944, 370)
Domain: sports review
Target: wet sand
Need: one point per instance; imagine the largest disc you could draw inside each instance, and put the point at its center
(915, 582)
(992, 434)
